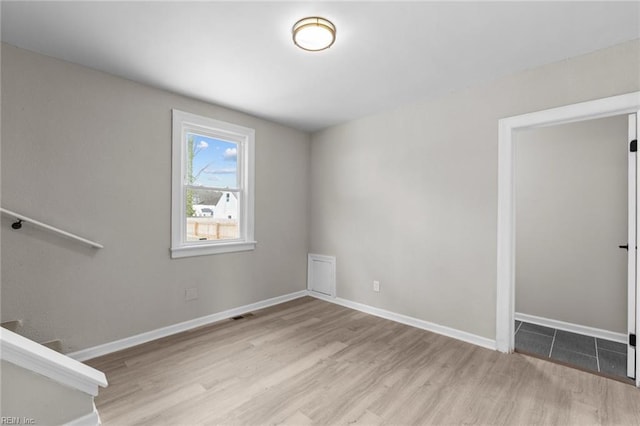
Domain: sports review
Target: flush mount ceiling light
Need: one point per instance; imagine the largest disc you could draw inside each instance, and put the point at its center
(314, 33)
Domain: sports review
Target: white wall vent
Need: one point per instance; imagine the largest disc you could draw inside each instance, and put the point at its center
(321, 274)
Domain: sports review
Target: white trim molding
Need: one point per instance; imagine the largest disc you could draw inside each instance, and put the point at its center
(148, 336)
(91, 419)
(411, 321)
(574, 328)
(505, 294)
(138, 339)
(32, 356)
(190, 251)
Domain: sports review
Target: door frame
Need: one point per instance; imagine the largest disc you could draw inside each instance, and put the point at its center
(505, 294)
(632, 246)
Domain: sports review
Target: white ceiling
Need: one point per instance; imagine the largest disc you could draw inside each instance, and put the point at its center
(240, 54)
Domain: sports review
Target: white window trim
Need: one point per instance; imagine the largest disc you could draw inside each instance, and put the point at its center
(246, 146)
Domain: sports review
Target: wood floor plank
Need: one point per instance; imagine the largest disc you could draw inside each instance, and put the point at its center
(311, 362)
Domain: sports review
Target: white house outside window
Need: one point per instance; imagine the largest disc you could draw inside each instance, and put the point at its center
(212, 191)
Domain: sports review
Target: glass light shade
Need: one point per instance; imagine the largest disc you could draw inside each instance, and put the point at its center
(314, 33)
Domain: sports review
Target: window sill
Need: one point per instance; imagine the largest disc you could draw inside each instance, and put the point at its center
(219, 248)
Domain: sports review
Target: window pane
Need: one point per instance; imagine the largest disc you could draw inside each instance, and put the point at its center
(211, 215)
(211, 162)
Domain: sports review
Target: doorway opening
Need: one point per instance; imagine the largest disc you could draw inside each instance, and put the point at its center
(571, 276)
(506, 325)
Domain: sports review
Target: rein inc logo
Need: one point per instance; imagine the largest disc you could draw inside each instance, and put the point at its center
(17, 420)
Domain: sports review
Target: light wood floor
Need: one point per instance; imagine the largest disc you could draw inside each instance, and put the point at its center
(313, 362)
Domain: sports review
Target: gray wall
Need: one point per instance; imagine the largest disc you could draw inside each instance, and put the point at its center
(571, 215)
(409, 196)
(91, 153)
(27, 394)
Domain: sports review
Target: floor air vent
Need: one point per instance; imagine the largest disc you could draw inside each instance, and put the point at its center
(239, 317)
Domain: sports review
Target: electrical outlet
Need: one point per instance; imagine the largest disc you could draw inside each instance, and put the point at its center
(376, 286)
(190, 294)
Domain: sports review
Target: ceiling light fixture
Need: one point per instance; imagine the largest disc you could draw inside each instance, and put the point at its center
(314, 33)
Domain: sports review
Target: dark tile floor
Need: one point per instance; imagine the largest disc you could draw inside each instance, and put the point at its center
(587, 352)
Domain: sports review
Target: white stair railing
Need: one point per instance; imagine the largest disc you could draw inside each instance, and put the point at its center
(22, 218)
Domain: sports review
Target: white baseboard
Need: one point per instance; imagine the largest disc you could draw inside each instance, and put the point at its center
(574, 328)
(91, 419)
(148, 336)
(118, 345)
(413, 322)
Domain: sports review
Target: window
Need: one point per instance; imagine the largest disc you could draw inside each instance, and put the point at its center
(212, 191)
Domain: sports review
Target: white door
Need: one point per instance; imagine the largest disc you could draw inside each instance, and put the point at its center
(632, 278)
